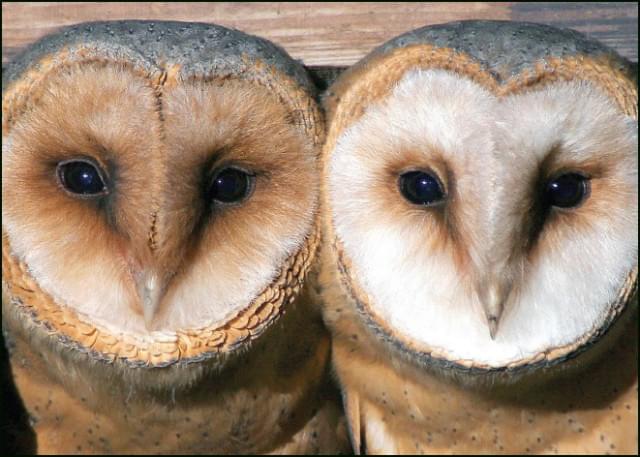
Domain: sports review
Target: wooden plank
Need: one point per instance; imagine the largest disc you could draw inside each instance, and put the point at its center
(321, 33)
(316, 32)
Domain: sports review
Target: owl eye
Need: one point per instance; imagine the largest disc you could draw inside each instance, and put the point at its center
(81, 177)
(567, 190)
(230, 185)
(420, 188)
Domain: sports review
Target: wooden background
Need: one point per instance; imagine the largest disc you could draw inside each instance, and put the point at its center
(325, 34)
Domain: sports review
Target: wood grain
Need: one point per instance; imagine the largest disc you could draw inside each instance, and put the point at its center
(321, 33)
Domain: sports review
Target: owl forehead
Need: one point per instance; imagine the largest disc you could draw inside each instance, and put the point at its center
(85, 104)
(432, 120)
(228, 114)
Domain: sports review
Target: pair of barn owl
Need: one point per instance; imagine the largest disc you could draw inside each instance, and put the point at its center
(166, 187)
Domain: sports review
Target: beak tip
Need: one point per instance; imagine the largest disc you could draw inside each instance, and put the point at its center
(493, 295)
(493, 327)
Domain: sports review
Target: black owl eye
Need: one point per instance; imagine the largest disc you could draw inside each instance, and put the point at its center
(81, 177)
(420, 188)
(230, 185)
(567, 190)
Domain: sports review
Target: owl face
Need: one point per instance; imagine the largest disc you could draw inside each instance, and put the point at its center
(154, 203)
(489, 226)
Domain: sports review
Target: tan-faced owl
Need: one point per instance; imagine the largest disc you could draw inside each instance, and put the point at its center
(160, 199)
(480, 253)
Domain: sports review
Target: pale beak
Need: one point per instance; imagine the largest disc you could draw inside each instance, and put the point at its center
(150, 291)
(493, 295)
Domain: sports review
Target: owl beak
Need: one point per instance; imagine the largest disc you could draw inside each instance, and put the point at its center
(150, 292)
(493, 295)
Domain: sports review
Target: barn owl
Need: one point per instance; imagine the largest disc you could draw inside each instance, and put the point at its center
(480, 250)
(160, 198)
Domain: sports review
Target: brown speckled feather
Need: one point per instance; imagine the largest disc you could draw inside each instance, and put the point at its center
(588, 407)
(272, 399)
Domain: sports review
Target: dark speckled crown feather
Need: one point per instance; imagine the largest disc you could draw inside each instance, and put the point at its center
(202, 49)
(504, 48)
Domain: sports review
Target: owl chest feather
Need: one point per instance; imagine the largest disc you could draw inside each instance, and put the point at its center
(272, 398)
(396, 407)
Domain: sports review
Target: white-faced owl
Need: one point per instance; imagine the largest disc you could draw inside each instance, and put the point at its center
(480, 200)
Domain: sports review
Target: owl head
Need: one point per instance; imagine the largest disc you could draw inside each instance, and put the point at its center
(480, 186)
(159, 189)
